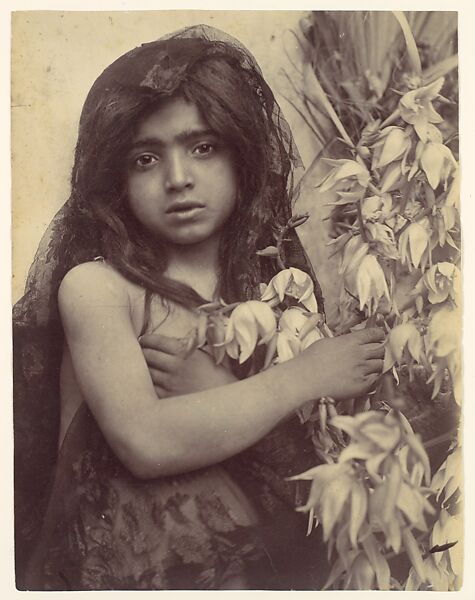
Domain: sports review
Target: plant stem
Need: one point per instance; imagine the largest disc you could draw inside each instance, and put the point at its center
(421, 215)
(392, 117)
(376, 191)
(364, 237)
(440, 439)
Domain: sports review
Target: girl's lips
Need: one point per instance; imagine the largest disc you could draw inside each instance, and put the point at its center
(184, 207)
(185, 211)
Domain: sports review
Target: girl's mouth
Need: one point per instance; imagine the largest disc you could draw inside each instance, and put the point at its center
(184, 209)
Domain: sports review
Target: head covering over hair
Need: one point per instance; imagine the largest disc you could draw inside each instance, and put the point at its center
(157, 70)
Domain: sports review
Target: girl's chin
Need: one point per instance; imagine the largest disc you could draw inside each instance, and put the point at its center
(191, 239)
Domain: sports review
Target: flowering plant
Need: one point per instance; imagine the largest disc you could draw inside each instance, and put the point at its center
(395, 228)
(394, 223)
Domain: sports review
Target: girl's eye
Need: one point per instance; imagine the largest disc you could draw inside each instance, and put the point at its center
(204, 149)
(145, 160)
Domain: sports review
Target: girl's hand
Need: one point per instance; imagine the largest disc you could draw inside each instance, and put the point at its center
(348, 365)
(174, 374)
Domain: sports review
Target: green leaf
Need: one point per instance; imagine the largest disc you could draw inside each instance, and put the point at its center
(440, 69)
(317, 95)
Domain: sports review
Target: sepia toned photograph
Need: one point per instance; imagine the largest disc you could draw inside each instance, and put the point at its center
(237, 300)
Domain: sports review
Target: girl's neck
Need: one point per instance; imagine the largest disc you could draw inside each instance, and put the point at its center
(195, 265)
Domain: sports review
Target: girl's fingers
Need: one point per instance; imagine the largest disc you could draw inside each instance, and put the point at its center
(162, 361)
(161, 392)
(372, 380)
(374, 366)
(159, 378)
(371, 334)
(161, 343)
(374, 350)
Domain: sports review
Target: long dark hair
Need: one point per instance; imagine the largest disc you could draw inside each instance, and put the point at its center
(240, 107)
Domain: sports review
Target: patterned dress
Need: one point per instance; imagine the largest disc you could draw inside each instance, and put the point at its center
(107, 530)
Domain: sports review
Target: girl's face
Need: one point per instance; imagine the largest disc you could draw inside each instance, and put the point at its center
(180, 180)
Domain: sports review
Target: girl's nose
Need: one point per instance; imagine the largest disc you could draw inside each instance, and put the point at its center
(178, 174)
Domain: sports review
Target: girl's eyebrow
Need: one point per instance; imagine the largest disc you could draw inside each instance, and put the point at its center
(183, 136)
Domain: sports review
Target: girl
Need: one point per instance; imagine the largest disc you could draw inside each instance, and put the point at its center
(170, 467)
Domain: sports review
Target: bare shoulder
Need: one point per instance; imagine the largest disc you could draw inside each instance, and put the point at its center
(92, 287)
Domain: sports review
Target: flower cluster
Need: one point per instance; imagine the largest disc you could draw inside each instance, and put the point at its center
(396, 230)
(395, 227)
(285, 320)
(372, 498)
(250, 323)
(294, 283)
(398, 206)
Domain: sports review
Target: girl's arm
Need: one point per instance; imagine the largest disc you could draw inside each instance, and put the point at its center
(154, 437)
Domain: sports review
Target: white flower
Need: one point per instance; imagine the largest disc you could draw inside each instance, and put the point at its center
(394, 142)
(345, 172)
(454, 190)
(414, 242)
(401, 337)
(439, 281)
(443, 347)
(437, 162)
(448, 479)
(374, 208)
(371, 282)
(249, 322)
(288, 346)
(383, 240)
(391, 179)
(449, 528)
(443, 331)
(297, 331)
(416, 107)
(294, 283)
(354, 252)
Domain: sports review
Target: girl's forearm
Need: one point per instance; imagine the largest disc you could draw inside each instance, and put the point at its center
(195, 430)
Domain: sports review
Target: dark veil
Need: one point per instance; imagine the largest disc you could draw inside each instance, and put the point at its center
(73, 237)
